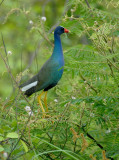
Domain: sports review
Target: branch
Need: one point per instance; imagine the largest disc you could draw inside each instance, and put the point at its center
(87, 4)
(6, 140)
(62, 114)
(45, 37)
(88, 83)
(112, 64)
(92, 138)
(1, 2)
(98, 144)
(88, 135)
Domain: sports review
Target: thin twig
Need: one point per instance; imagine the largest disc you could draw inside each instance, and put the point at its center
(5, 140)
(45, 37)
(84, 79)
(87, 4)
(88, 135)
(94, 140)
(66, 108)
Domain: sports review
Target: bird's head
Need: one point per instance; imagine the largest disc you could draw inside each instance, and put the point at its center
(59, 30)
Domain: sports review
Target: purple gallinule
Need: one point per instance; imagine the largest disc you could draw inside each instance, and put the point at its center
(50, 73)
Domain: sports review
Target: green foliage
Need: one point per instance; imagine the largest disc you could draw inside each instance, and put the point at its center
(82, 120)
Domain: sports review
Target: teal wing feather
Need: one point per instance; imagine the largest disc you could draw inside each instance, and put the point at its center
(49, 75)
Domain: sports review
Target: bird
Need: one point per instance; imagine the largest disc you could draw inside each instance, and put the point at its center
(49, 74)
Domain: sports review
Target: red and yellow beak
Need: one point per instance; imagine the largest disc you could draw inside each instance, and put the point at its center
(66, 30)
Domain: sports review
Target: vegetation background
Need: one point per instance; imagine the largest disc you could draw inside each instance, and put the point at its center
(84, 106)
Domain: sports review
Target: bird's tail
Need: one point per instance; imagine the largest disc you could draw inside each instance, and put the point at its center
(30, 91)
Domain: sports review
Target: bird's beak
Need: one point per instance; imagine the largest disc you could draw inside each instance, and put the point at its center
(66, 30)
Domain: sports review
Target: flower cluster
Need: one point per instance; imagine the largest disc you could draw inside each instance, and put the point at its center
(31, 22)
(55, 100)
(9, 52)
(28, 110)
(43, 19)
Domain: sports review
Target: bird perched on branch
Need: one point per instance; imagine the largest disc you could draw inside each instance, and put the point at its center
(50, 73)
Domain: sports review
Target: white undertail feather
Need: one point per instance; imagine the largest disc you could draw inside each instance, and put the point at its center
(25, 88)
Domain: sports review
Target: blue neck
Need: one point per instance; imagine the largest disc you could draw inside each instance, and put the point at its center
(57, 52)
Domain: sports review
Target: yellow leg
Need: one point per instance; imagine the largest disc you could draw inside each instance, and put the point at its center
(45, 101)
(39, 100)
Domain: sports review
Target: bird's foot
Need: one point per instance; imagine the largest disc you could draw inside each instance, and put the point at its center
(46, 116)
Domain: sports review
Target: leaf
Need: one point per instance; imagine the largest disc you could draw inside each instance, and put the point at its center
(24, 145)
(1, 138)
(12, 135)
(1, 148)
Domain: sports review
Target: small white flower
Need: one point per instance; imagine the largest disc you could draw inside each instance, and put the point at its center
(73, 97)
(27, 108)
(92, 103)
(104, 100)
(9, 52)
(5, 154)
(55, 100)
(108, 131)
(65, 105)
(30, 22)
(92, 115)
(43, 19)
(30, 113)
